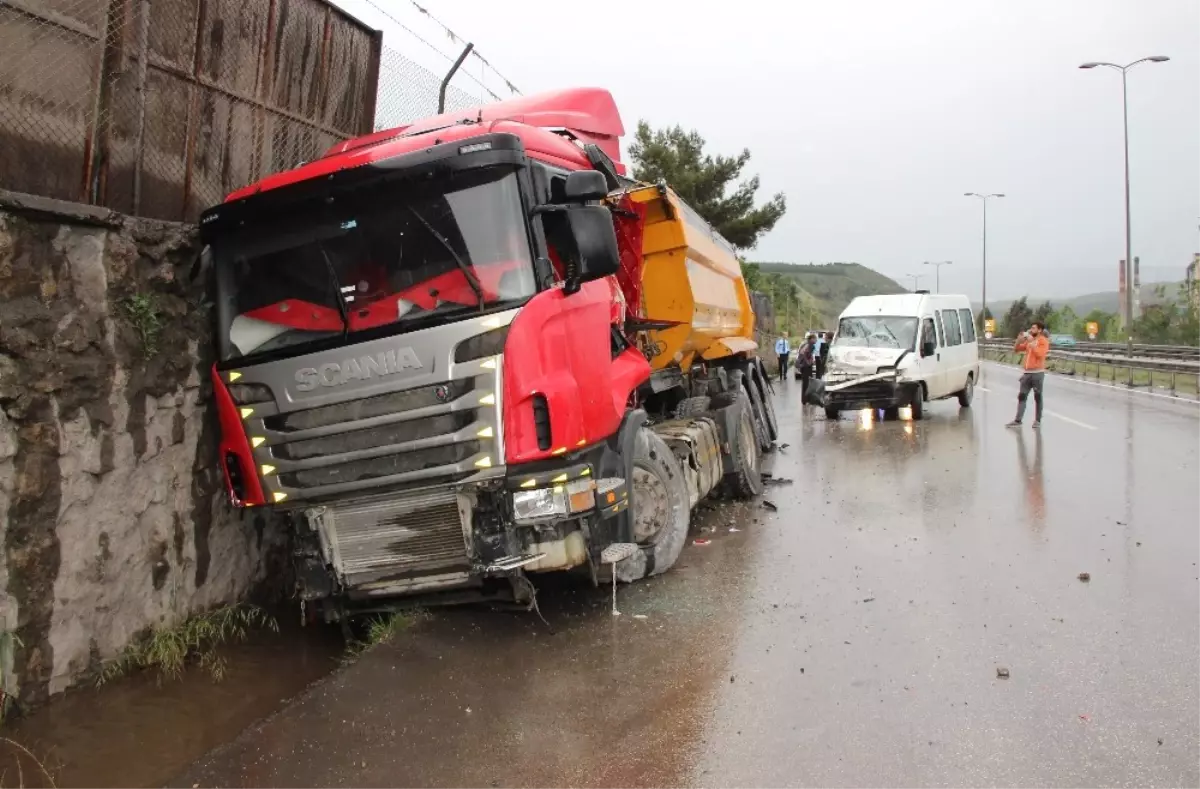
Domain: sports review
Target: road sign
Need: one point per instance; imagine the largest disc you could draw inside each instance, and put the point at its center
(989, 326)
(1093, 329)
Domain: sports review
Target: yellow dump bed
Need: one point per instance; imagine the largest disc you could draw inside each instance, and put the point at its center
(691, 277)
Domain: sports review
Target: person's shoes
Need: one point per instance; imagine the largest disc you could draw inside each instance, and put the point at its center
(1037, 425)
(1014, 423)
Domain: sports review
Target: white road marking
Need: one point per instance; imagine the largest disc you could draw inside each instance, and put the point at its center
(1069, 419)
(983, 389)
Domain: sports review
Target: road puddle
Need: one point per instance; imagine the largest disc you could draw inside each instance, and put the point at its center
(137, 731)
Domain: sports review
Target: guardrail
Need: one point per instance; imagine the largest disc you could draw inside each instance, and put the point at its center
(1174, 373)
(1116, 349)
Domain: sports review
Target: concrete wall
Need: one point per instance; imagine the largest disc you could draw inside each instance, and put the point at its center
(111, 517)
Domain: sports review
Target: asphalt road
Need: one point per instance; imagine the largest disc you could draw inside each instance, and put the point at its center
(852, 638)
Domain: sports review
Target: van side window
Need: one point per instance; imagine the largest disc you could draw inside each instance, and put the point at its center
(941, 338)
(950, 321)
(928, 333)
(968, 324)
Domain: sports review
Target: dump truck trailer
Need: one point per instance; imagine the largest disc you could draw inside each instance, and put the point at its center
(470, 349)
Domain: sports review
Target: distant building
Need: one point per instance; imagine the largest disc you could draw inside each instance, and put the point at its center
(1193, 287)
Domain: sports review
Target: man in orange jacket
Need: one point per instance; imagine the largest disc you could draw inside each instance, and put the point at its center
(1035, 345)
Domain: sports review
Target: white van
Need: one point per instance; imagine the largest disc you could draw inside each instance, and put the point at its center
(902, 350)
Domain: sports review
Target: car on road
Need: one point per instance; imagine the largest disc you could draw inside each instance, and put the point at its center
(902, 350)
(1062, 340)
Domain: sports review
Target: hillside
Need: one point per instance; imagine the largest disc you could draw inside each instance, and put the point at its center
(1105, 301)
(833, 285)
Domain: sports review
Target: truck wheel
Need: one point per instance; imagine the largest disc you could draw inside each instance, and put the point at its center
(762, 433)
(743, 479)
(918, 403)
(693, 406)
(659, 500)
(832, 413)
(760, 378)
(968, 393)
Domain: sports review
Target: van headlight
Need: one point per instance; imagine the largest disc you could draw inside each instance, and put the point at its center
(559, 501)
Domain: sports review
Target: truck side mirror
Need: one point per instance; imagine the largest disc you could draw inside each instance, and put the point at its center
(595, 240)
(585, 186)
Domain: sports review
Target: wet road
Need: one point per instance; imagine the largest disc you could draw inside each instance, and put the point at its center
(851, 638)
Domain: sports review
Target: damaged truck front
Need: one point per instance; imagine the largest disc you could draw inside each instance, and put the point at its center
(429, 367)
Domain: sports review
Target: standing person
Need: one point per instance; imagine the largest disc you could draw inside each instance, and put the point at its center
(823, 356)
(806, 360)
(782, 349)
(817, 343)
(1035, 345)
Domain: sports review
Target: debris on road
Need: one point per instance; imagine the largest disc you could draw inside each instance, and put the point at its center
(701, 541)
(640, 616)
(770, 479)
(868, 599)
(768, 505)
(1085, 718)
(1085, 577)
(734, 529)
(1159, 739)
(1002, 672)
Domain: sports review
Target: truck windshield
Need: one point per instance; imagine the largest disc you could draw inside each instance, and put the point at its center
(877, 331)
(377, 257)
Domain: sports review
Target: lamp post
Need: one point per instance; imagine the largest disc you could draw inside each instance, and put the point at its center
(1128, 241)
(916, 278)
(937, 272)
(983, 199)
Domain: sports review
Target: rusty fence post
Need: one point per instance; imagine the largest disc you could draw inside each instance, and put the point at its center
(139, 146)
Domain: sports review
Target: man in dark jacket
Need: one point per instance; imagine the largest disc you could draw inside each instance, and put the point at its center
(806, 360)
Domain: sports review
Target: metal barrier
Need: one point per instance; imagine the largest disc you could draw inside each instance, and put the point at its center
(1115, 349)
(1174, 374)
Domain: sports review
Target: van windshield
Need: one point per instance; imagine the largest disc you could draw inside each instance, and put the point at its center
(878, 331)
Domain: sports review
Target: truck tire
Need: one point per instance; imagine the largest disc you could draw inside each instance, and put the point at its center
(693, 406)
(760, 378)
(758, 412)
(832, 413)
(743, 479)
(659, 507)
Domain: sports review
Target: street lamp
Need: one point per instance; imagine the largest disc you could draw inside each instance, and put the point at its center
(983, 199)
(937, 272)
(1128, 240)
(916, 278)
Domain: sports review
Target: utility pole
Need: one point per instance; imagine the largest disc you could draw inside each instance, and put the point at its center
(983, 198)
(1128, 232)
(937, 272)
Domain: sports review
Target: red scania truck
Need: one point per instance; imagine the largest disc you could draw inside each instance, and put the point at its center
(468, 349)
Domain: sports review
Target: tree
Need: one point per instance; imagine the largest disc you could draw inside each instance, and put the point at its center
(1043, 313)
(1017, 319)
(677, 157)
(1063, 321)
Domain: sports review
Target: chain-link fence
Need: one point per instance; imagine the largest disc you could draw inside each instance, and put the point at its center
(162, 107)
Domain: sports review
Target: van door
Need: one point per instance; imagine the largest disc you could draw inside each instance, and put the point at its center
(930, 367)
(954, 367)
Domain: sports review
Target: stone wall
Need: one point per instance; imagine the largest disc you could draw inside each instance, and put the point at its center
(111, 512)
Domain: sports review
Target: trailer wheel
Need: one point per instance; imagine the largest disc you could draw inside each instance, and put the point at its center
(758, 377)
(743, 479)
(693, 406)
(660, 510)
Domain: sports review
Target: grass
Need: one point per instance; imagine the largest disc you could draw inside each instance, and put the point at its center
(1117, 374)
(195, 640)
(142, 313)
(381, 630)
(20, 751)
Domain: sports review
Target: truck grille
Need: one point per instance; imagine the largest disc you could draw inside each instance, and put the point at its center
(397, 536)
(407, 439)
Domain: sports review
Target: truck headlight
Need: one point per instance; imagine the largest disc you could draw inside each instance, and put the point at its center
(532, 505)
(559, 501)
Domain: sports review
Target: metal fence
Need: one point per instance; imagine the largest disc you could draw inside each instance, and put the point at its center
(162, 107)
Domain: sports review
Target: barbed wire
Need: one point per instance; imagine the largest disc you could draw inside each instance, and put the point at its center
(458, 40)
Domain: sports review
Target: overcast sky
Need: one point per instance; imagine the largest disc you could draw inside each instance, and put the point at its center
(875, 117)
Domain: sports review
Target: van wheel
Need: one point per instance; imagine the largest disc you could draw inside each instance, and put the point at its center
(659, 506)
(918, 403)
(967, 394)
(743, 478)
